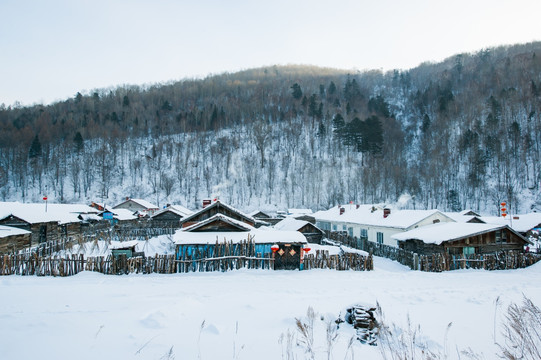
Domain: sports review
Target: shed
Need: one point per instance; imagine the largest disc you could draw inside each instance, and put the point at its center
(13, 239)
(125, 248)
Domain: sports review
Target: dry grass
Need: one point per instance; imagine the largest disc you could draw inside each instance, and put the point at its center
(522, 332)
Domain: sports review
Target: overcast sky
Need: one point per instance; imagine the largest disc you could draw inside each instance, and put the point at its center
(51, 49)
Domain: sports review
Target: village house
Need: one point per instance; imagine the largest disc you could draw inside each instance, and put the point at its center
(218, 223)
(375, 223)
(140, 206)
(461, 239)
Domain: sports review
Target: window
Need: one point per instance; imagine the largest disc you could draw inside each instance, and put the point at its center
(344, 227)
(364, 234)
(323, 225)
(379, 236)
(350, 232)
(334, 228)
(501, 236)
(468, 250)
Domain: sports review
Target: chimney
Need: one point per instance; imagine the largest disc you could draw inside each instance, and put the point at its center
(342, 210)
(386, 212)
(357, 206)
(206, 203)
(127, 198)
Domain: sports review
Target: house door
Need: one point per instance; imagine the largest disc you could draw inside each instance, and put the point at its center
(43, 233)
(288, 257)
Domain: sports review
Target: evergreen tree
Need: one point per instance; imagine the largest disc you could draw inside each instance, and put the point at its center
(312, 106)
(372, 136)
(78, 142)
(35, 148)
(332, 88)
(296, 91)
(126, 101)
(338, 124)
(426, 123)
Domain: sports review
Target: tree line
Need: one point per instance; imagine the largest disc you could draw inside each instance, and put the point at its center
(461, 133)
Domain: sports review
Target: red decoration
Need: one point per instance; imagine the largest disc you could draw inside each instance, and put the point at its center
(45, 198)
(306, 249)
(503, 204)
(504, 214)
(274, 248)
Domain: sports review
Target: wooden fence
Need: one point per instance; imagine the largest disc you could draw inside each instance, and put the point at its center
(49, 248)
(346, 261)
(165, 264)
(503, 260)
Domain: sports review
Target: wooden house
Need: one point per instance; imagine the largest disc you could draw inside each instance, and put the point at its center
(203, 238)
(217, 207)
(461, 239)
(143, 207)
(171, 216)
(312, 233)
(14, 239)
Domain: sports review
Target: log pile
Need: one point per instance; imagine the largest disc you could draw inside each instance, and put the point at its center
(363, 320)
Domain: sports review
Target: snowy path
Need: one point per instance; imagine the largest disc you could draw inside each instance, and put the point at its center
(94, 316)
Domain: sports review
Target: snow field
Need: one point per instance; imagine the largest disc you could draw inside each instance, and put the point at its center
(244, 314)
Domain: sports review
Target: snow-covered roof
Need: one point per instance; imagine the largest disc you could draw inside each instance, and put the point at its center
(216, 203)
(290, 224)
(40, 213)
(177, 209)
(6, 231)
(372, 215)
(299, 212)
(115, 245)
(123, 214)
(146, 204)
(259, 236)
(463, 216)
(90, 217)
(253, 213)
(239, 224)
(444, 232)
(524, 223)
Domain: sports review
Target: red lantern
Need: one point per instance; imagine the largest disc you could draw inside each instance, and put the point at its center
(274, 248)
(503, 204)
(306, 249)
(45, 198)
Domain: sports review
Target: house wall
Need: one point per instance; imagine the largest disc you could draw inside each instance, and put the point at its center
(14, 243)
(438, 217)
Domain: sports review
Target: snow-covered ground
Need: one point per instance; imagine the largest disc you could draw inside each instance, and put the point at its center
(246, 314)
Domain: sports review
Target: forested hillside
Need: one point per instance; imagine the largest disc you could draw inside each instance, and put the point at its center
(463, 133)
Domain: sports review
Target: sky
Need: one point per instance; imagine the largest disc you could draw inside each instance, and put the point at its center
(50, 50)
